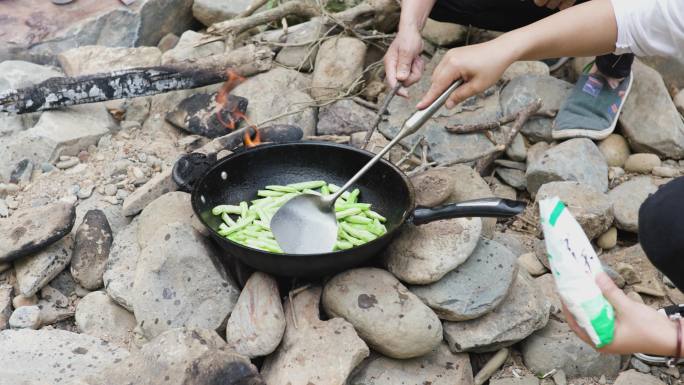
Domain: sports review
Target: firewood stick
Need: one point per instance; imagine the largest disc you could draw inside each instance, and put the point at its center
(471, 128)
(253, 8)
(62, 92)
(523, 115)
(239, 25)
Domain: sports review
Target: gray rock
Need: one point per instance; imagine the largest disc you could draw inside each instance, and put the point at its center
(213, 11)
(257, 322)
(517, 243)
(433, 187)
(168, 208)
(531, 264)
(35, 271)
(627, 199)
(180, 357)
(65, 356)
(547, 284)
(649, 119)
(474, 288)
(424, 254)
(94, 59)
(444, 146)
(99, 316)
(518, 149)
(649, 276)
(632, 377)
(560, 163)
(439, 367)
(25, 317)
(524, 311)
(615, 150)
(557, 347)
(503, 190)
(444, 34)
(607, 240)
(665, 172)
(642, 163)
(301, 54)
(159, 185)
(591, 208)
(178, 282)
(20, 300)
(522, 90)
(31, 230)
(536, 151)
(20, 74)
(492, 365)
(512, 177)
(339, 63)
(54, 306)
(332, 348)
(391, 319)
(522, 68)
(141, 24)
(344, 117)
(277, 92)
(470, 185)
(92, 243)
(639, 365)
(188, 48)
(5, 305)
(119, 272)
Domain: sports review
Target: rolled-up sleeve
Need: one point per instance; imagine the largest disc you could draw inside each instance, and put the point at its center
(650, 27)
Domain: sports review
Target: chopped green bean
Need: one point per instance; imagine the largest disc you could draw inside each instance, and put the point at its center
(228, 209)
(374, 215)
(358, 219)
(347, 213)
(325, 191)
(269, 193)
(286, 189)
(226, 218)
(358, 232)
(353, 196)
(244, 208)
(307, 185)
(347, 206)
(343, 245)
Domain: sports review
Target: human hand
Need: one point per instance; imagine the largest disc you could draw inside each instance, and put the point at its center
(402, 60)
(479, 66)
(638, 328)
(555, 4)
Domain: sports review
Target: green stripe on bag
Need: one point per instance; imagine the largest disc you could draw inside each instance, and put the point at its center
(557, 211)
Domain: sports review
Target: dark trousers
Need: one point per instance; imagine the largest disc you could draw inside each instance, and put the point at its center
(506, 15)
(661, 230)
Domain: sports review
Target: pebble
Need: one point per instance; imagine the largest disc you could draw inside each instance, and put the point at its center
(257, 322)
(331, 349)
(110, 190)
(122, 194)
(474, 288)
(111, 200)
(85, 192)
(531, 263)
(653, 292)
(4, 210)
(628, 272)
(46, 167)
(54, 306)
(615, 172)
(615, 149)
(608, 240)
(99, 316)
(665, 172)
(130, 125)
(69, 163)
(25, 317)
(491, 366)
(22, 300)
(559, 378)
(627, 199)
(635, 296)
(78, 169)
(391, 319)
(642, 163)
(92, 243)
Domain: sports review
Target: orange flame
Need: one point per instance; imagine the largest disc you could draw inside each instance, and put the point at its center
(223, 103)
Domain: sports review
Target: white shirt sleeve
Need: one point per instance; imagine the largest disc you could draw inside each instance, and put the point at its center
(650, 27)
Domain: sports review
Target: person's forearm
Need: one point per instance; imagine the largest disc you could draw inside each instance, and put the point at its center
(414, 14)
(587, 29)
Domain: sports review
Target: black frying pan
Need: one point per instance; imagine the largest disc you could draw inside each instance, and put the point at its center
(237, 178)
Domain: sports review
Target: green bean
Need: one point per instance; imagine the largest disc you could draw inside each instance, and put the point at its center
(334, 188)
(347, 206)
(325, 191)
(226, 218)
(309, 191)
(307, 185)
(358, 219)
(357, 232)
(244, 208)
(353, 196)
(374, 215)
(344, 235)
(285, 189)
(343, 245)
(347, 213)
(269, 193)
(228, 209)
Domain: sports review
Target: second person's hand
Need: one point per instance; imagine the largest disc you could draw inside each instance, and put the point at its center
(479, 66)
(402, 60)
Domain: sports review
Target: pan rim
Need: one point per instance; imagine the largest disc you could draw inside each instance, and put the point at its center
(195, 196)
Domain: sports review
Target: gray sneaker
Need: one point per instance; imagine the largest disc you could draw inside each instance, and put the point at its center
(592, 108)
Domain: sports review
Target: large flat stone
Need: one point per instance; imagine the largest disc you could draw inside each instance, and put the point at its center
(94, 59)
(37, 270)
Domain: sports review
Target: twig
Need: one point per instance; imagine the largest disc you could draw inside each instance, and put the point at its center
(421, 168)
(252, 8)
(425, 147)
(410, 152)
(366, 103)
(381, 112)
(330, 138)
(493, 150)
(478, 127)
(237, 26)
(291, 296)
(521, 117)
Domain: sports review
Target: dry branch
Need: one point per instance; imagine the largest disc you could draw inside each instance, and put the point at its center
(522, 116)
(62, 92)
(239, 25)
(479, 127)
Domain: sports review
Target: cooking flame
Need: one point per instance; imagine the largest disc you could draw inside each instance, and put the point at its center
(234, 115)
(248, 140)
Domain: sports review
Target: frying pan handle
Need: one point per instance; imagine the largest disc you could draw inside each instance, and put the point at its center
(189, 168)
(487, 207)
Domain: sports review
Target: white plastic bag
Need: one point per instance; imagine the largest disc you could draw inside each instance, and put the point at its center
(574, 265)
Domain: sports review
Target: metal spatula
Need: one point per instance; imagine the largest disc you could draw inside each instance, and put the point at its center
(306, 224)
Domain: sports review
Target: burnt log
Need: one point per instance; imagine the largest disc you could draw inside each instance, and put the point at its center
(201, 114)
(57, 93)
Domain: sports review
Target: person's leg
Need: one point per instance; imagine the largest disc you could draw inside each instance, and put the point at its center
(495, 15)
(661, 230)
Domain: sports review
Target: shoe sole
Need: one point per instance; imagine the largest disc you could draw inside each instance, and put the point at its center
(595, 134)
